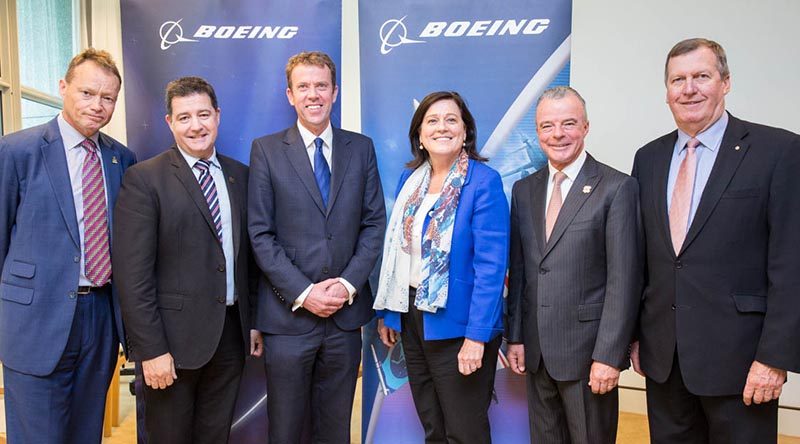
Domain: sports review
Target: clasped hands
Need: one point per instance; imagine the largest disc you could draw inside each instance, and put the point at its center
(326, 297)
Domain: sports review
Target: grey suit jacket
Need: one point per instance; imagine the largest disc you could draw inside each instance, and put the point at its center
(298, 241)
(574, 299)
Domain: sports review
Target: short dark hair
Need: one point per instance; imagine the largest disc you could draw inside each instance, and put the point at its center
(314, 58)
(100, 57)
(470, 143)
(689, 45)
(187, 86)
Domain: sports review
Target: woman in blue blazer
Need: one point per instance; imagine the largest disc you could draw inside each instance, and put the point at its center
(444, 263)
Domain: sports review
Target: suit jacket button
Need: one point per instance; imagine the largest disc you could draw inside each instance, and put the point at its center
(678, 264)
(330, 236)
(221, 300)
(325, 270)
(72, 295)
(543, 270)
(76, 259)
(221, 267)
(673, 307)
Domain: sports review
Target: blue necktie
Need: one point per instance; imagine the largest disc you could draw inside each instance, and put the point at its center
(322, 172)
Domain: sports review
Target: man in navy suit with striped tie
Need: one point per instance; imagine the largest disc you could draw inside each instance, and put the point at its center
(182, 270)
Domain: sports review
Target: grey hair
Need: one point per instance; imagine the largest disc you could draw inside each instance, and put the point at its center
(558, 93)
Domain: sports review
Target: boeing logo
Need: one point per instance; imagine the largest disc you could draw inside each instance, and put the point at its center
(394, 33)
(171, 33)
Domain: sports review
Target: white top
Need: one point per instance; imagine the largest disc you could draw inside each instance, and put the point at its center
(416, 237)
(327, 144)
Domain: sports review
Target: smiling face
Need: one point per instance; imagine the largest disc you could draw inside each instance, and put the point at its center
(89, 97)
(696, 90)
(312, 93)
(194, 123)
(561, 126)
(443, 132)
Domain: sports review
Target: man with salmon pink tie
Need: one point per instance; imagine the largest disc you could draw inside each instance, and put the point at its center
(718, 327)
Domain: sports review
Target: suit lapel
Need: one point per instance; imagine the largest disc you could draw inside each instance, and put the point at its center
(340, 153)
(575, 199)
(661, 164)
(732, 150)
(298, 157)
(55, 160)
(538, 197)
(190, 184)
(234, 195)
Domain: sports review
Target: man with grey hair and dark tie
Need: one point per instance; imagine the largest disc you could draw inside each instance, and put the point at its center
(574, 280)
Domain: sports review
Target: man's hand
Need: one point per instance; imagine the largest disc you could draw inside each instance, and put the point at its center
(338, 291)
(388, 335)
(516, 357)
(637, 366)
(603, 378)
(470, 357)
(256, 343)
(764, 383)
(323, 303)
(159, 372)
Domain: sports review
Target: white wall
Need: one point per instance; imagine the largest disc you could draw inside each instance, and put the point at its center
(617, 65)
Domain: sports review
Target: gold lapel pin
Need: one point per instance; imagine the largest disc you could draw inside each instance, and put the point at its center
(114, 159)
(737, 148)
(587, 189)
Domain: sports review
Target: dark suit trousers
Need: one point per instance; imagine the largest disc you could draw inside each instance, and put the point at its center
(678, 416)
(312, 376)
(198, 407)
(453, 408)
(564, 412)
(67, 406)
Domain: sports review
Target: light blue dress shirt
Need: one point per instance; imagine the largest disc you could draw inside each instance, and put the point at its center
(225, 213)
(76, 155)
(710, 141)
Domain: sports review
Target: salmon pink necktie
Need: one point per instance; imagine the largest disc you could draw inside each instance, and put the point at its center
(682, 196)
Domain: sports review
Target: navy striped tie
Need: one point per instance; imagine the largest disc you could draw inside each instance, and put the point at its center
(321, 171)
(210, 192)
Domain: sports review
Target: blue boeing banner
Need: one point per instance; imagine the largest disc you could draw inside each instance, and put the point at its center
(499, 56)
(241, 48)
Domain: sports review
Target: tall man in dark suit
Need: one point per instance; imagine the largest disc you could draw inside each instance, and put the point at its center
(575, 280)
(316, 224)
(719, 324)
(60, 328)
(182, 270)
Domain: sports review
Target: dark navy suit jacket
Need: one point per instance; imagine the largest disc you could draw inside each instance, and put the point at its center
(40, 244)
(297, 241)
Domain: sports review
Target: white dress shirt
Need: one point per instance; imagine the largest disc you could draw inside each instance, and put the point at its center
(225, 215)
(327, 150)
(571, 171)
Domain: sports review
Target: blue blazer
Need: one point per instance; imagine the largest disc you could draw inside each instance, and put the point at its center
(40, 244)
(478, 260)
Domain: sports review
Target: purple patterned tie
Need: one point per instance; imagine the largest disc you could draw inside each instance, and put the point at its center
(97, 258)
(210, 192)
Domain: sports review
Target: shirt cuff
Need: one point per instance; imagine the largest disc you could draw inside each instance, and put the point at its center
(351, 291)
(302, 298)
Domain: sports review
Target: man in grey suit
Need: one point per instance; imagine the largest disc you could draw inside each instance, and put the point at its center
(316, 222)
(575, 276)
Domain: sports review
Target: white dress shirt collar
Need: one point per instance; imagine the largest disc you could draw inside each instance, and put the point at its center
(308, 137)
(570, 170)
(70, 137)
